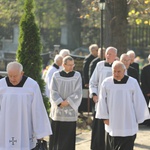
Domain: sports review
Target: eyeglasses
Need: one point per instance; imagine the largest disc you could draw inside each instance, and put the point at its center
(70, 65)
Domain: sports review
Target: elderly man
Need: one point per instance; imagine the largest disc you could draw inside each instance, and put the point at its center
(102, 70)
(95, 61)
(23, 118)
(53, 68)
(64, 52)
(133, 64)
(125, 59)
(65, 98)
(122, 107)
(93, 54)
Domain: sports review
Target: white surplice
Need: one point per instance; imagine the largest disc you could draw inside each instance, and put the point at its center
(124, 105)
(23, 117)
(100, 73)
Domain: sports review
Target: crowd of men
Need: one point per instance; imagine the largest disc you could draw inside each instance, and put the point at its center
(119, 105)
(115, 89)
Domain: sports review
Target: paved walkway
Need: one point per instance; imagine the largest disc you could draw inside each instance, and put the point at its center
(142, 141)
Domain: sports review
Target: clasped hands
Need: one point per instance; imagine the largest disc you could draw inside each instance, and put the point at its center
(64, 104)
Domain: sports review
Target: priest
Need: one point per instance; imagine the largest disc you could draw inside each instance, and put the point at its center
(122, 107)
(23, 117)
(102, 70)
(65, 98)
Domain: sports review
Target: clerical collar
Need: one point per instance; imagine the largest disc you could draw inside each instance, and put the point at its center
(56, 66)
(65, 74)
(107, 64)
(20, 84)
(122, 81)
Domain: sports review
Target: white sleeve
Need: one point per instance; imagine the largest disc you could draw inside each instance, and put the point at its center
(102, 108)
(94, 81)
(41, 123)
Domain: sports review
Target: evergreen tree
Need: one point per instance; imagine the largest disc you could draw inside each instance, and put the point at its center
(30, 48)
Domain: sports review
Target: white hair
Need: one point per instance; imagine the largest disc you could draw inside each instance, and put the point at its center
(111, 48)
(118, 63)
(92, 47)
(14, 65)
(130, 52)
(122, 56)
(64, 52)
(57, 58)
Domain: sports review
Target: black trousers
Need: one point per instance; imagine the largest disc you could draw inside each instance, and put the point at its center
(98, 134)
(122, 143)
(63, 137)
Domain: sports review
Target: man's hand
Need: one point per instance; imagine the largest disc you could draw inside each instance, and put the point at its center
(148, 94)
(64, 104)
(86, 85)
(95, 98)
(106, 121)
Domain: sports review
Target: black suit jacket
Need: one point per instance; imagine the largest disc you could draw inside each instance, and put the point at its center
(93, 65)
(145, 79)
(135, 66)
(86, 64)
(133, 73)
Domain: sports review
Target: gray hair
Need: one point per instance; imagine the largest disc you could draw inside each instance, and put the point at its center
(118, 63)
(122, 55)
(65, 59)
(111, 48)
(92, 47)
(57, 58)
(64, 52)
(14, 65)
(130, 52)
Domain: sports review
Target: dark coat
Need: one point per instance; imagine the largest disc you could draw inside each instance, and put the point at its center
(145, 80)
(86, 64)
(133, 73)
(93, 65)
(135, 66)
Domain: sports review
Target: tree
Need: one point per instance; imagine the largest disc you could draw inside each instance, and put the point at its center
(139, 12)
(116, 25)
(73, 23)
(29, 49)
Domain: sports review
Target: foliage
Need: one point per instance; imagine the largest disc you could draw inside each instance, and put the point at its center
(10, 12)
(29, 49)
(49, 13)
(90, 14)
(139, 12)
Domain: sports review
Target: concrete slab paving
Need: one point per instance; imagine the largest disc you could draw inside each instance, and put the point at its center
(142, 142)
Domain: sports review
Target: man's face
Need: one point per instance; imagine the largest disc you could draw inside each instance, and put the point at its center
(59, 62)
(118, 72)
(69, 66)
(95, 52)
(132, 57)
(15, 76)
(126, 61)
(110, 56)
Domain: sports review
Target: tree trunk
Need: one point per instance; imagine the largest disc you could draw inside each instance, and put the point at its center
(116, 25)
(73, 23)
